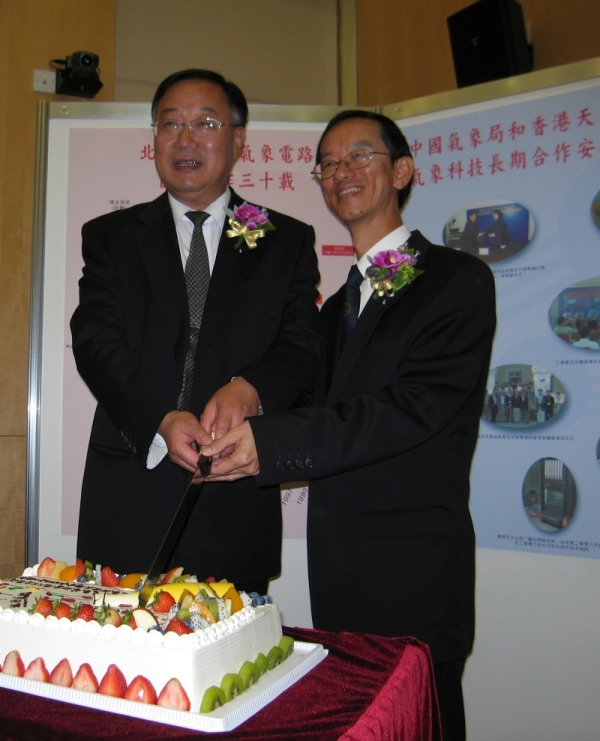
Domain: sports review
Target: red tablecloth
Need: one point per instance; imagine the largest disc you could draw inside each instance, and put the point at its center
(368, 687)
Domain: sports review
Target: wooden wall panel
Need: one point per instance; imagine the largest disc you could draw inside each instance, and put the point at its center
(12, 505)
(404, 49)
(31, 34)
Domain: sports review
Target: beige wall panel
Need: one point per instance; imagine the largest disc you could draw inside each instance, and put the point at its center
(32, 32)
(277, 51)
(12, 505)
(404, 49)
(563, 32)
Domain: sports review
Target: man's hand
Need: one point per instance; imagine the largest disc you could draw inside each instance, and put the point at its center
(183, 435)
(229, 406)
(243, 461)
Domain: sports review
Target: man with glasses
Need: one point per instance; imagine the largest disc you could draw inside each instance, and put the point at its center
(394, 424)
(184, 330)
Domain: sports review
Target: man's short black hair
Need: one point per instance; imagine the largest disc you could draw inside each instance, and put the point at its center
(391, 135)
(235, 97)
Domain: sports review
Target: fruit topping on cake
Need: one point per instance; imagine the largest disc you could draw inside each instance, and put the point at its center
(173, 696)
(62, 674)
(83, 612)
(13, 664)
(85, 679)
(141, 690)
(163, 601)
(113, 682)
(109, 578)
(37, 671)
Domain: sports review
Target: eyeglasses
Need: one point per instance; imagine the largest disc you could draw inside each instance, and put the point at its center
(354, 161)
(170, 129)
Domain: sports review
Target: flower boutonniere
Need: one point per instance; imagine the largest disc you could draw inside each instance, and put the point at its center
(248, 223)
(391, 270)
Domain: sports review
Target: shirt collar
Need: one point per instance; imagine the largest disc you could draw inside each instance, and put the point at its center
(391, 241)
(216, 209)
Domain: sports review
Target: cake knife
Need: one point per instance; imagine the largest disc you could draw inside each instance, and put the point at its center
(175, 528)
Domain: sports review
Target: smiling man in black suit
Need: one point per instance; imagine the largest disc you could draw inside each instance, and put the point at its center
(388, 443)
(256, 345)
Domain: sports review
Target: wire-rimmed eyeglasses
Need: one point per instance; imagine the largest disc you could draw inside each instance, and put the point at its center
(170, 128)
(353, 161)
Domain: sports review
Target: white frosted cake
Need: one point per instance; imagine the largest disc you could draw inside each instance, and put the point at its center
(198, 659)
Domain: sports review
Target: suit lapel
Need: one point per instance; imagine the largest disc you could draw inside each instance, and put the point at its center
(367, 322)
(157, 244)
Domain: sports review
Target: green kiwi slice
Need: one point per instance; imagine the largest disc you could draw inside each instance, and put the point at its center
(286, 644)
(249, 673)
(261, 663)
(213, 698)
(274, 657)
(232, 685)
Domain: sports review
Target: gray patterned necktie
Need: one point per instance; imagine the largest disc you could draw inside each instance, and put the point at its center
(197, 278)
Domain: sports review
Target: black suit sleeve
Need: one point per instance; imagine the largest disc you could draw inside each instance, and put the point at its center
(422, 372)
(108, 345)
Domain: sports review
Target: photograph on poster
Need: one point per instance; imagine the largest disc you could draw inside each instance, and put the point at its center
(595, 210)
(549, 495)
(520, 396)
(574, 315)
(492, 230)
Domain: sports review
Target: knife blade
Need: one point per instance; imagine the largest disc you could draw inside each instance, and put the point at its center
(175, 529)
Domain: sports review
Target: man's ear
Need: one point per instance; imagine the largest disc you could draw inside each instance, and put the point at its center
(404, 168)
(239, 139)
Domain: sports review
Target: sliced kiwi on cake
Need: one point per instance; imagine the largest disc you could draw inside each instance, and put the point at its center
(274, 657)
(286, 644)
(213, 698)
(232, 685)
(250, 673)
(261, 663)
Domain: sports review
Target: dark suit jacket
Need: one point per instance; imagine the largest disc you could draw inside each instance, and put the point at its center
(387, 451)
(130, 337)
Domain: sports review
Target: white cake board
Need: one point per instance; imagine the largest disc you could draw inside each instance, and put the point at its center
(304, 658)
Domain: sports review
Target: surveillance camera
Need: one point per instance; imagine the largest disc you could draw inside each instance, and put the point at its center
(79, 76)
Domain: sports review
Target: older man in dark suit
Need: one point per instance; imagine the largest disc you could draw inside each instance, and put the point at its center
(388, 442)
(161, 344)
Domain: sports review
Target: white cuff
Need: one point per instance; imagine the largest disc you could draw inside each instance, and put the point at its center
(157, 451)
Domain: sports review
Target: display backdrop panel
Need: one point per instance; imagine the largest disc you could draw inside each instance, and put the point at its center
(530, 161)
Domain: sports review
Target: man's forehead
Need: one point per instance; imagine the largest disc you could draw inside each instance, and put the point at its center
(176, 108)
(202, 95)
(352, 133)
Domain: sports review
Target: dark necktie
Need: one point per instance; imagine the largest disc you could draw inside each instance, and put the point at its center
(197, 278)
(352, 304)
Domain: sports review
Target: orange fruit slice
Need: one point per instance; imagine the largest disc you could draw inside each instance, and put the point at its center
(236, 600)
(129, 581)
(68, 574)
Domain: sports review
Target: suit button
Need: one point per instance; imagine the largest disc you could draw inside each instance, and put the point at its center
(280, 465)
(289, 464)
(308, 463)
(299, 464)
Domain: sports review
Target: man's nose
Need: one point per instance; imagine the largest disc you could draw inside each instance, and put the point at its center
(342, 171)
(186, 138)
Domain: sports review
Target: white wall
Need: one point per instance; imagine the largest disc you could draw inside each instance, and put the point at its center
(535, 669)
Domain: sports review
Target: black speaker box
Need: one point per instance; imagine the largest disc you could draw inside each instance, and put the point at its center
(489, 42)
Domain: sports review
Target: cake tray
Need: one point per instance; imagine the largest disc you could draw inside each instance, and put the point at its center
(304, 658)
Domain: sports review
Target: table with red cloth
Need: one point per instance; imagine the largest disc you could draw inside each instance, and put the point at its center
(369, 687)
